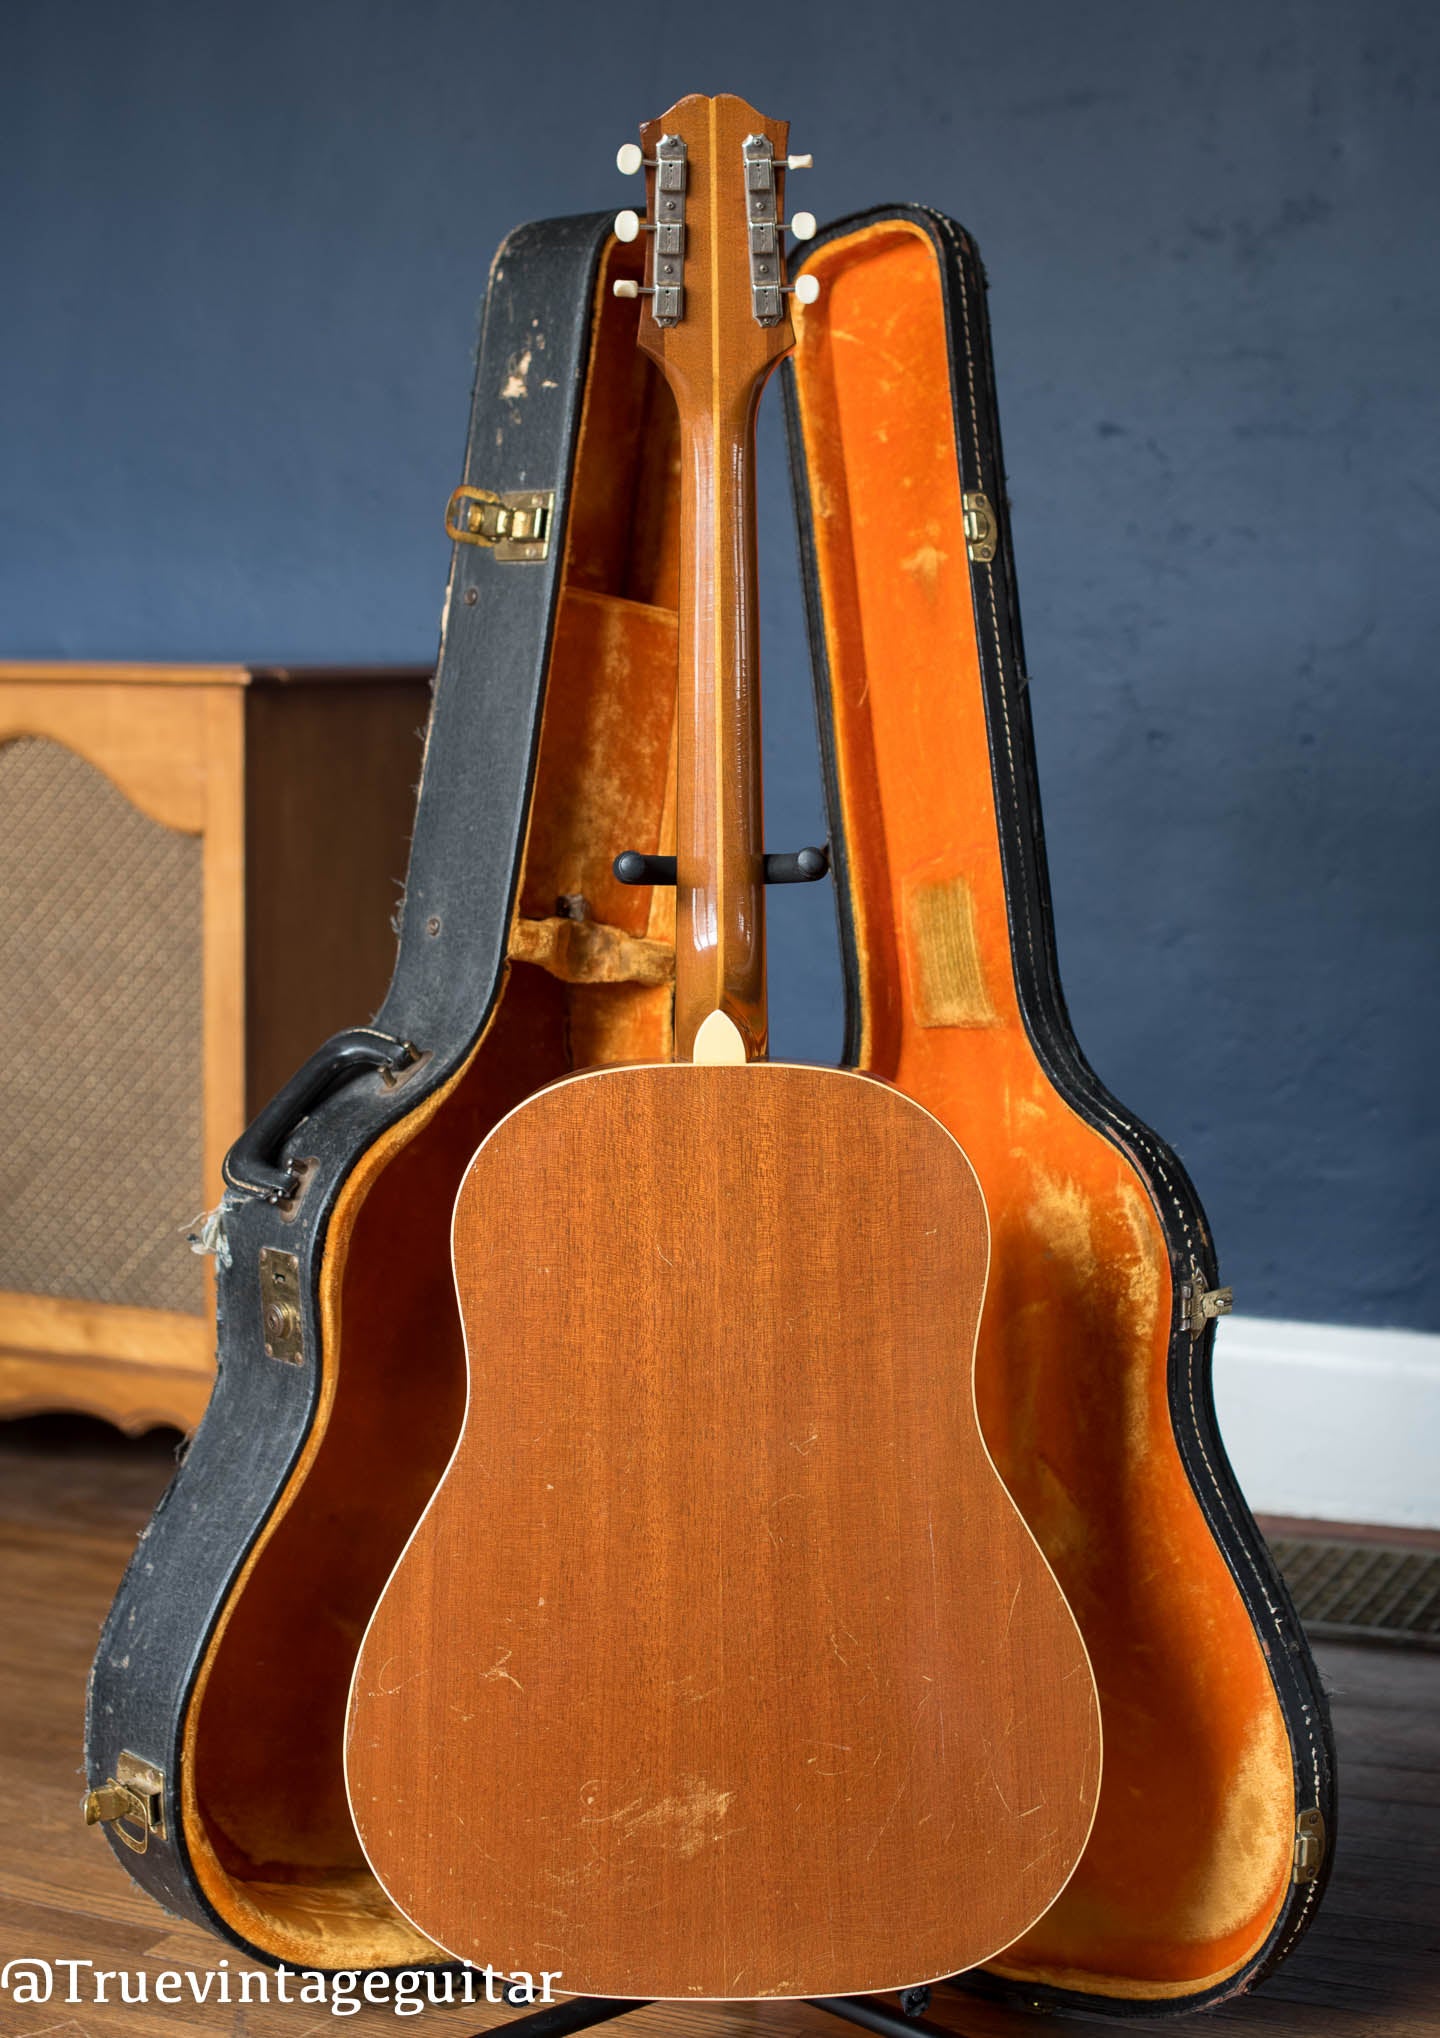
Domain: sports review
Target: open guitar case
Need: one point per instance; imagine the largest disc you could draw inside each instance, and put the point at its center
(218, 1694)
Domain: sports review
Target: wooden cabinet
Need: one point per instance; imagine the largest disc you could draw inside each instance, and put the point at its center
(199, 872)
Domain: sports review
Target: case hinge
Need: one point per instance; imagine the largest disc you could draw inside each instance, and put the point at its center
(1309, 1845)
(514, 526)
(982, 533)
(1200, 1305)
(132, 1801)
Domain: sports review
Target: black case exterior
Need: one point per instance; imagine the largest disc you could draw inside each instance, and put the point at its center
(464, 871)
(460, 893)
(1042, 1003)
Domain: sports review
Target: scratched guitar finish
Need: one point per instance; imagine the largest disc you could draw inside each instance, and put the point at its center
(721, 1664)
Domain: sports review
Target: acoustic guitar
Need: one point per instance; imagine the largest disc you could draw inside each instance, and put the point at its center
(721, 1664)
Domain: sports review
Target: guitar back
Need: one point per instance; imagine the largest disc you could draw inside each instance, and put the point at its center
(737, 1672)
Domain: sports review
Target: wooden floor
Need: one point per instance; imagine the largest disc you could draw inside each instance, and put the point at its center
(72, 1498)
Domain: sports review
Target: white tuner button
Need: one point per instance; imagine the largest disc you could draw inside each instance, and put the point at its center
(624, 288)
(802, 226)
(628, 158)
(627, 226)
(799, 162)
(807, 288)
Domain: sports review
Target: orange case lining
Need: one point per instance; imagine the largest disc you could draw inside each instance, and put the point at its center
(1190, 1859)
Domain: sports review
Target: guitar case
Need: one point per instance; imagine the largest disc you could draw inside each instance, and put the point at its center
(218, 1694)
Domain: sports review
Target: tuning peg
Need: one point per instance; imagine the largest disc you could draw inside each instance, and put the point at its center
(803, 226)
(799, 162)
(629, 158)
(623, 287)
(627, 226)
(806, 288)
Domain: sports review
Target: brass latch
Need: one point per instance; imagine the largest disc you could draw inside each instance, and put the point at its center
(1201, 1305)
(282, 1325)
(982, 533)
(1309, 1846)
(132, 1801)
(514, 526)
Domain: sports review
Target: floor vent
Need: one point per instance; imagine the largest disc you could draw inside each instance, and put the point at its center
(1363, 1592)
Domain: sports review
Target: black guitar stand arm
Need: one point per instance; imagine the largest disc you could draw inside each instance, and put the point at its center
(579, 2013)
(787, 867)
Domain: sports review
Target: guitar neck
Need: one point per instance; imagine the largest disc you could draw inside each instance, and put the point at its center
(720, 898)
(716, 323)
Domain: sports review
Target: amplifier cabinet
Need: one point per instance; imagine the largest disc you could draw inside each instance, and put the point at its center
(200, 868)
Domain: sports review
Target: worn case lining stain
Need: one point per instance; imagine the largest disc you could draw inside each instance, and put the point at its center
(947, 976)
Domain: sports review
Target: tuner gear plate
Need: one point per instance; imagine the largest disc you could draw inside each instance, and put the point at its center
(762, 214)
(667, 304)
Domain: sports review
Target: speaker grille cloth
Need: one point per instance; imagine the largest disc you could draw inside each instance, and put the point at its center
(100, 1017)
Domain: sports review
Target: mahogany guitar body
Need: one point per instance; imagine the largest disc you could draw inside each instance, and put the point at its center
(749, 1679)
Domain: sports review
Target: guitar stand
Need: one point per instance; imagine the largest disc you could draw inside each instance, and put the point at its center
(579, 2013)
(791, 867)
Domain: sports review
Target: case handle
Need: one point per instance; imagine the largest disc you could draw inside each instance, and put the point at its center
(253, 1164)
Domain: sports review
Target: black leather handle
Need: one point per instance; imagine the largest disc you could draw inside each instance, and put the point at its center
(254, 1162)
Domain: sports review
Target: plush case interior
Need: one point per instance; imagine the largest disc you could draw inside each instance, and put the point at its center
(1190, 1857)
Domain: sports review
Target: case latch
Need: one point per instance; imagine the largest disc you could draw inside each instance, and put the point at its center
(1309, 1845)
(1201, 1305)
(282, 1325)
(514, 526)
(132, 1801)
(982, 533)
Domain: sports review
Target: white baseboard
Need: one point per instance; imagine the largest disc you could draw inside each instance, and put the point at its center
(1331, 1423)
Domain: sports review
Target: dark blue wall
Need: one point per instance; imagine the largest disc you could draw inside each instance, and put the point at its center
(243, 249)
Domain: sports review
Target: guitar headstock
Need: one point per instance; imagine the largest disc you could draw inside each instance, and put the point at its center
(714, 301)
